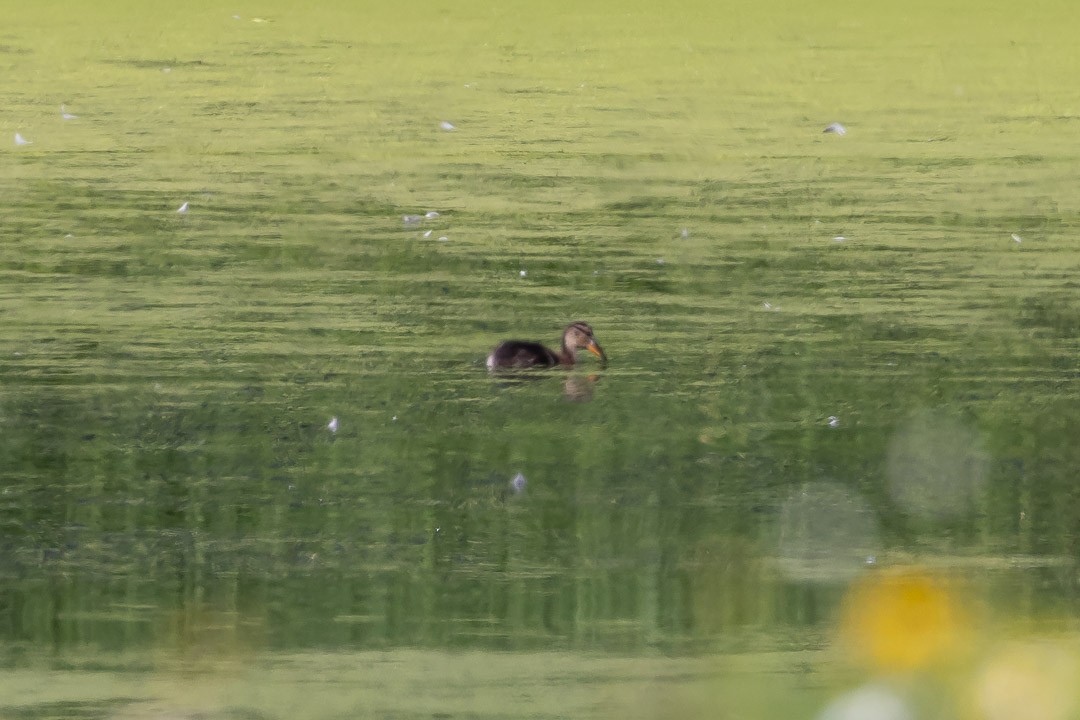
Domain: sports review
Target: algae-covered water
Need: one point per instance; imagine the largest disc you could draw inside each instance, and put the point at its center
(843, 367)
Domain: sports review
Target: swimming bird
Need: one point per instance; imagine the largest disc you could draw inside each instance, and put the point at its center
(523, 354)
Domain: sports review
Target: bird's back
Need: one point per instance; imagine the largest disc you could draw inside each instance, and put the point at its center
(521, 354)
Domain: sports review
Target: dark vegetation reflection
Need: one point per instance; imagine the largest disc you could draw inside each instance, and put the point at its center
(138, 519)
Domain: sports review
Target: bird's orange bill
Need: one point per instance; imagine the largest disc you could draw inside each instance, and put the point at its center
(595, 349)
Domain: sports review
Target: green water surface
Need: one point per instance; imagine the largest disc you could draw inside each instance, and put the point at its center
(828, 353)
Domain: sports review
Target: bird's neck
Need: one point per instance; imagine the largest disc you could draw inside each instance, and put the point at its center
(566, 355)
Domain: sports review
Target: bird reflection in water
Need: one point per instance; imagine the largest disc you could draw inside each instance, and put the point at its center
(576, 387)
(580, 388)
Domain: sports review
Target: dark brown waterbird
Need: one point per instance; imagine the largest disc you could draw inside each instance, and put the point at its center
(524, 354)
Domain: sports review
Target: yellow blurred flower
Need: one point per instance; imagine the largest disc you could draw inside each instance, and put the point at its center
(902, 620)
